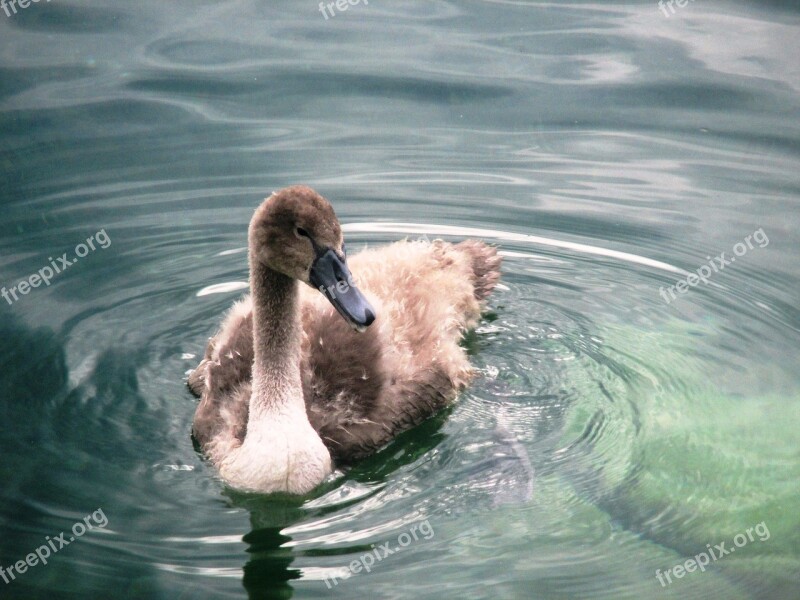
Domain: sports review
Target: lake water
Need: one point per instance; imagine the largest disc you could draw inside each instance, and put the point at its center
(629, 415)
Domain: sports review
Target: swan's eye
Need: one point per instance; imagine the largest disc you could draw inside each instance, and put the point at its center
(300, 232)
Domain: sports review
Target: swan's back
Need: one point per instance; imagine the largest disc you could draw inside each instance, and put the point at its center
(362, 389)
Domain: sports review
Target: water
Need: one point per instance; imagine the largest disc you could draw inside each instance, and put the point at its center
(607, 149)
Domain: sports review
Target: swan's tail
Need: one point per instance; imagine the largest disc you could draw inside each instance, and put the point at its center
(485, 266)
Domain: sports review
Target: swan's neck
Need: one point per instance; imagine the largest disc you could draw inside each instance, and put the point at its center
(281, 452)
(277, 388)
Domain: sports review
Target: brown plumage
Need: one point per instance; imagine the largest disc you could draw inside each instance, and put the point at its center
(359, 390)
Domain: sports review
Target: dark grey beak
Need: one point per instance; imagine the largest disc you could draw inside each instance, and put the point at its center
(330, 275)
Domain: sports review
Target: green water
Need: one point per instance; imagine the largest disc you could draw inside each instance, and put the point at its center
(609, 150)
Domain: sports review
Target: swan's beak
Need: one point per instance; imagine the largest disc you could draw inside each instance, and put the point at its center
(330, 275)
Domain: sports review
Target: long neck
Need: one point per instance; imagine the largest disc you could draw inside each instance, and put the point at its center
(276, 336)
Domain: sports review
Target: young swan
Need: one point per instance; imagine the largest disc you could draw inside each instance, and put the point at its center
(289, 382)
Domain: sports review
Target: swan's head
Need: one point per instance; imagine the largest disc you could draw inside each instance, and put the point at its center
(296, 232)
